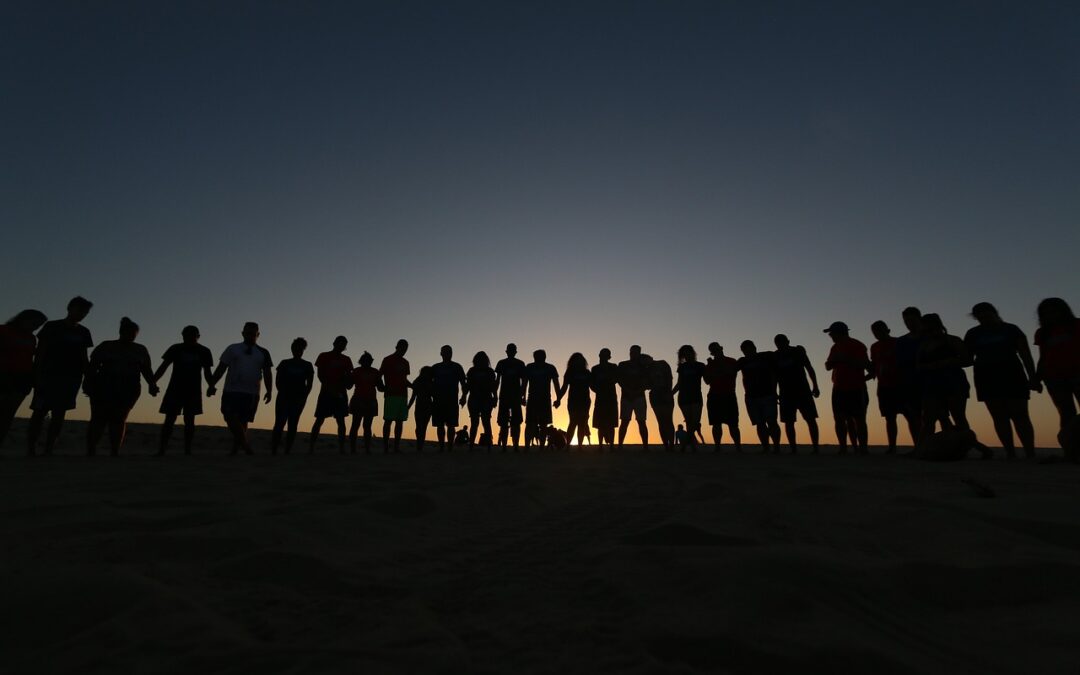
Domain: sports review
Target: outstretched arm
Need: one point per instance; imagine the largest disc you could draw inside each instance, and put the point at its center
(161, 370)
(215, 377)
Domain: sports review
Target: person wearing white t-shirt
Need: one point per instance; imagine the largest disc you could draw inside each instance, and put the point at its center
(246, 367)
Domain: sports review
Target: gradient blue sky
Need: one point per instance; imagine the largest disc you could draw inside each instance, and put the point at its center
(562, 175)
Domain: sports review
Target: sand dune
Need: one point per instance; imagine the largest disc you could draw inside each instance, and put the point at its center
(572, 563)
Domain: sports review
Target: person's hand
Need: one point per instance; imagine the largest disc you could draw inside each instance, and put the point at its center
(211, 390)
(816, 392)
(523, 400)
(154, 390)
(1036, 385)
(266, 397)
(558, 402)
(462, 401)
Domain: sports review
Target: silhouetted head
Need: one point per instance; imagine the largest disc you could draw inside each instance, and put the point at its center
(781, 341)
(511, 350)
(27, 321)
(298, 346)
(687, 354)
(366, 359)
(340, 343)
(716, 350)
(481, 360)
(679, 428)
(837, 330)
(635, 352)
(129, 330)
(401, 347)
(985, 313)
(605, 355)
(1054, 312)
(576, 363)
(77, 308)
(932, 325)
(190, 334)
(748, 348)
(540, 356)
(880, 330)
(912, 319)
(447, 352)
(425, 374)
(250, 332)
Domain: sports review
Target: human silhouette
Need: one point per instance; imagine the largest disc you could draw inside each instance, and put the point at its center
(661, 398)
(759, 388)
(509, 379)
(540, 378)
(192, 363)
(690, 372)
(112, 383)
(481, 395)
(577, 380)
(1005, 376)
(892, 399)
(246, 366)
(633, 381)
(395, 373)
(462, 436)
(941, 361)
(295, 378)
(907, 370)
(366, 383)
(796, 394)
(849, 363)
(556, 439)
(334, 369)
(423, 392)
(59, 366)
(1058, 340)
(722, 402)
(447, 376)
(605, 377)
(17, 347)
(681, 437)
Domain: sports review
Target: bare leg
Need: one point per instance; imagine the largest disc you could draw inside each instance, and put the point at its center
(1024, 431)
(643, 431)
(367, 433)
(736, 436)
(166, 433)
(815, 435)
(999, 413)
(315, 434)
(340, 435)
(95, 429)
(354, 429)
(189, 432)
(33, 431)
(421, 436)
(397, 436)
(56, 422)
(891, 432)
(117, 431)
(789, 429)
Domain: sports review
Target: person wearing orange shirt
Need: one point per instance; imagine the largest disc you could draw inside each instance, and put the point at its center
(849, 363)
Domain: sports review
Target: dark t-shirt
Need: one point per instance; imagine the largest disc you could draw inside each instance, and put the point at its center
(604, 378)
(481, 383)
(720, 374)
(115, 369)
(791, 371)
(366, 382)
(633, 378)
(907, 360)
(446, 375)
(690, 375)
(62, 349)
(994, 346)
(293, 378)
(540, 376)
(577, 385)
(188, 363)
(335, 371)
(758, 374)
(511, 372)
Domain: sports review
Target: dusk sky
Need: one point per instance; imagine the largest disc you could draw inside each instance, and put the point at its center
(569, 176)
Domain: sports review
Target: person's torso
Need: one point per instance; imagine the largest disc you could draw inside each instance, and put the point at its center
(994, 345)
(510, 372)
(791, 371)
(578, 387)
(395, 372)
(690, 374)
(446, 376)
(365, 383)
(293, 376)
(246, 363)
(759, 374)
(660, 376)
(849, 374)
(481, 382)
(188, 361)
(63, 347)
(334, 370)
(883, 355)
(1059, 351)
(120, 363)
(632, 377)
(604, 376)
(540, 376)
(16, 350)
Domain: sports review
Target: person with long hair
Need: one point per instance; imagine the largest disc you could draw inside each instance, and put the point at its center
(576, 380)
(661, 398)
(690, 372)
(295, 378)
(112, 383)
(191, 362)
(945, 388)
(481, 393)
(1058, 340)
(17, 347)
(59, 365)
(606, 409)
(423, 399)
(366, 383)
(1004, 376)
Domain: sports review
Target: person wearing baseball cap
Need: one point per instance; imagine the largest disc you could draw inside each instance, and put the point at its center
(849, 363)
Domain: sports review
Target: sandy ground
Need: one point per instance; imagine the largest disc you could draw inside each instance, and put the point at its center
(569, 563)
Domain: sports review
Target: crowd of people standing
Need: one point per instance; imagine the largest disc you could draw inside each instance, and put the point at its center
(920, 376)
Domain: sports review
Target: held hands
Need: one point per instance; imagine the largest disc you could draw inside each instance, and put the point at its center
(463, 400)
(558, 402)
(523, 402)
(266, 397)
(1036, 385)
(816, 392)
(153, 389)
(211, 390)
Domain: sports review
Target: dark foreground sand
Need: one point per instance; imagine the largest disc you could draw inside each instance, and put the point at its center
(579, 563)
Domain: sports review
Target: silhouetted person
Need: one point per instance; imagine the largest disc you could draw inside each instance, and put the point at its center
(577, 381)
(246, 367)
(540, 378)
(907, 369)
(334, 369)
(112, 383)
(423, 392)
(942, 359)
(633, 381)
(1058, 340)
(509, 379)
(850, 364)
(759, 388)
(796, 394)
(295, 378)
(447, 376)
(366, 382)
(681, 436)
(605, 377)
(481, 394)
(462, 436)
(722, 402)
(395, 373)
(1004, 376)
(892, 399)
(191, 363)
(17, 347)
(690, 371)
(59, 366)
(661, 399)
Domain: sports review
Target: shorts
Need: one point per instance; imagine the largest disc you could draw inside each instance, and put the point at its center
(364, 407)
(288, 409)
(444, 412)
(56, 393)
(723, 408)
(850, 403)
(331, 405)
(632, 406)
(239, 406)
(110, 408)
(891, 401)
(1001, 383)
(792, 405)
(691, 411)
(579, 417)
(395, 408)
(509, 413)
(481, 408)
(176, 402)
(761, 409)
(538, 412)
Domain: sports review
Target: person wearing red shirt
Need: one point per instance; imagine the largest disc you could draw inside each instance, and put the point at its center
(334, 370)
(395, 373)
(367, 381)
(17, 347)
(722, 403)
(890, 394)
(849, 364)
(1058, 340)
